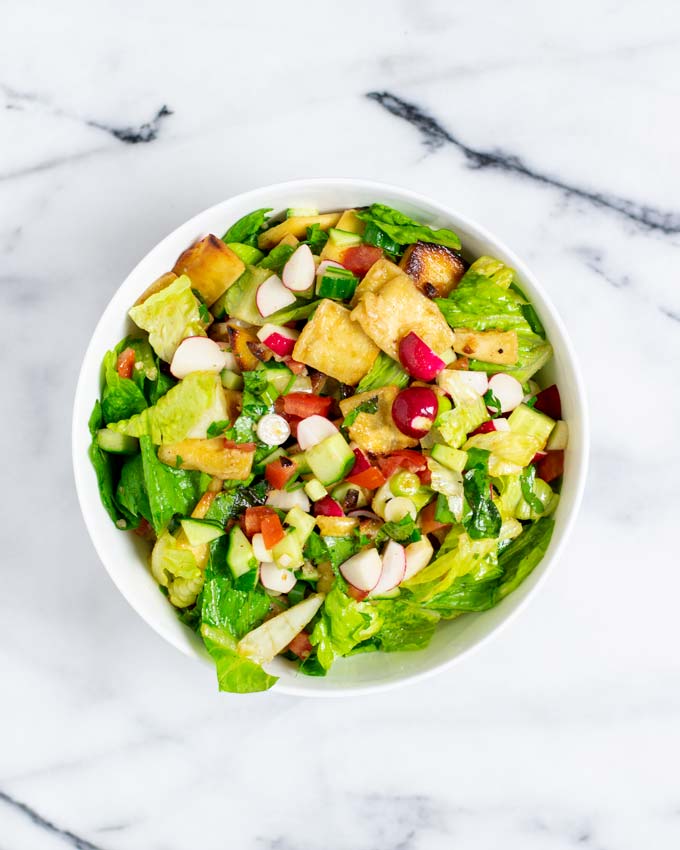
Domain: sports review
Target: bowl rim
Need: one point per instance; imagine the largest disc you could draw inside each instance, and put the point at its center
(81, 404)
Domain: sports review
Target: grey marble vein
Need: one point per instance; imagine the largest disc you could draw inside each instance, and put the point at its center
(69, 838)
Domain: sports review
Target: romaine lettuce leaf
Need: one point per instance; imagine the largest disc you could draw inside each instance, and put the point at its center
(231, 503)
(481, 304)
(235, 674)
(131, 492)
(174, 566)
(186, 410)
(224, 606)
(404, 230)
(277, 258)
(246, 229)
(169, 491)
(384, 372)
(107, 467)
(170, 316)
(343, 623)
(524, 553)
(121, 397)
(468, 556)
(405, 626)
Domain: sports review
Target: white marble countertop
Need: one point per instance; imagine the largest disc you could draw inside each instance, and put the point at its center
(554, 126)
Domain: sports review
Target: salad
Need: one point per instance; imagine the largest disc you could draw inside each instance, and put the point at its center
(328, 429)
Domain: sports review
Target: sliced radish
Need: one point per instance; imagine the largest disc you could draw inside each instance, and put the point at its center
(313, 430)
(398, 508)
(418, 556)
(477, 380)
(361, 464)
(507, 390)
(260, 550)
(272, 296)
(230, 361)
(393, 568)
(284, 500)
(327, 264)
(279, 339)
(197, 354)
(273, 429)
(414, 411)
(298, 273)
(274, 578)
(363, 569)
(327, 506)
(418, 358)
(559, 437)
(500, 424)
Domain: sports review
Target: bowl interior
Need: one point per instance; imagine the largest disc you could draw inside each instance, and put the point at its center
(124, 555)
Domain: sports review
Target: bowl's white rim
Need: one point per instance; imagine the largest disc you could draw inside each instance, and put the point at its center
(580, 465)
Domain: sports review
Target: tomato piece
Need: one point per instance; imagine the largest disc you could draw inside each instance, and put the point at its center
(244, 447)
(126, 363)
(144, 530)
(551, 466)
(355, 593)
(272, 530)
(548, 401)
(428, 523)
(279, 472)
(293, 421)
(300, 645)
(370, 478)
(303, 405)
(402, 459)
(252, 519)
(360, 258)
(425, 476)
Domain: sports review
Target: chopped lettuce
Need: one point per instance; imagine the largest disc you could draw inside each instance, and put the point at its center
(384, 372)
(186, 410)
(235, 674)
(519, 558)
(106, 467)
(404, 230)
(169, 491)
(246, 229)
(121, 397)
(174, 567)
(404, 530)
(277, 258)
(405, 626)
(482, 519)
(170, 316)
(131, 492)
(342, 625)
(481, 304)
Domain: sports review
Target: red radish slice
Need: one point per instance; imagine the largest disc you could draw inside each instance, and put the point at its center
(414, 411)
(313, 430)
(418, 358)
(393, 568)
(327, 507)
(276, 579)
(279, 339)
(548, 401)
(272, 296)
(559, 437)
(197, 354)
(298, 273)
(507, 390)
(418, 556)
(361, 464)
(499, 424)
(327, 264)
(363, 570)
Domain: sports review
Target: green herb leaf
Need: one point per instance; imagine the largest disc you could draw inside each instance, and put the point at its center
(403, 531)
(219, 427)
(404, 230)
(484, 519)
(277, 258)
(493, 404)
(526, 480)
(246, 229)
(370, 405)
(316, 238)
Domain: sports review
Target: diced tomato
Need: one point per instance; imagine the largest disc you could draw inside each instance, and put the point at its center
(355, 593)
(425, 476)
(272, 530)
(244, 447)
(252, 519)
(126, 363)
(484, 428)
(303, 405)
(279, 472)
(361, 462)
(300, 645)
(402, 459)
(370, 478)
(548, 401)
(428, 523)
(144, 530)
(360, 258)
(538, 456)
(293, 421)
(551, 466)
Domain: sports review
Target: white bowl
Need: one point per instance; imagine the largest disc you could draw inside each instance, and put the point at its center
(124, 555)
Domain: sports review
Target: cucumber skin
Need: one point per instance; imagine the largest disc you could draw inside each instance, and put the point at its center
(115, 443)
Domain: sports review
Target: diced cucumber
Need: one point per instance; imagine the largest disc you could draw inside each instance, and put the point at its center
(334, 285)
(294, 212)
(247, 253)
(331, 459)
(281, 378)
(302, 523)
(343, 238)
(199, 531)
(240, 556)
(388, 594)
(315, 490)
(231, 380)
(288, 552)
(559, 437)
(115, 443)
(300, 461)
(373, 235)
(532, 423)
(454, 459)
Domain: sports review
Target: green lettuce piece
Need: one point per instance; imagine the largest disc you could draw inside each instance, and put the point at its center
(235, 674)
(239, 301)
(107, 468)
(483, 518)
(467, 593)
(230, 504)
(343, 623)
(186, 410)
(170, 316)
(169, 491)
(454, 425)
(247, 228)
(405, 626)
(121, 397)
(175, 568)
(404, 230)
(524, 553)
(403, 530)
(131, 492)
(481, 304)
(384, 372)
(277, 258)
(316, 238)
(334, 549)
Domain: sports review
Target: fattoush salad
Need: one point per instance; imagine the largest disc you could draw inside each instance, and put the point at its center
(329, 429)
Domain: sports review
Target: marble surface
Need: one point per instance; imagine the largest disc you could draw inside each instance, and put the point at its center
(554, 126)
